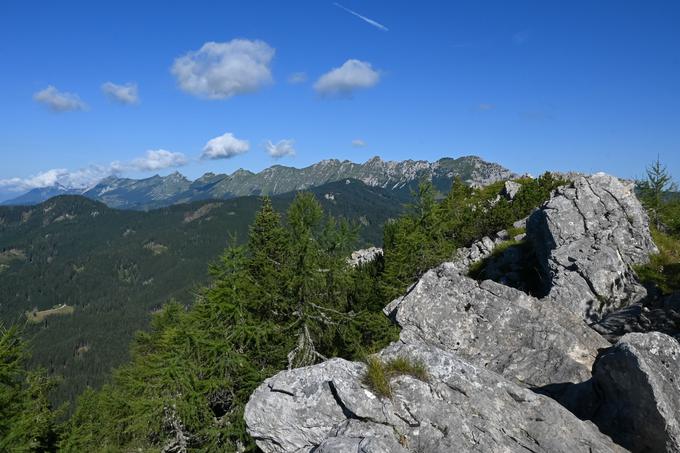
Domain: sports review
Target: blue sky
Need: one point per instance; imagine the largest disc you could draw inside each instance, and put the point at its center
(534, 85)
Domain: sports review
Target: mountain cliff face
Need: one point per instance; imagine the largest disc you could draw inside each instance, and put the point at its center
(502, 369)
(160, 191)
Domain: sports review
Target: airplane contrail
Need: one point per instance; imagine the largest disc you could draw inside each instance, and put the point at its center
(364, 18)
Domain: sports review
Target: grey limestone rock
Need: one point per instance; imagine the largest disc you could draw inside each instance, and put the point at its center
(460, 408)
(639, 383)
(588, 237)
(529, 341)
(510, 189)
(364, 256)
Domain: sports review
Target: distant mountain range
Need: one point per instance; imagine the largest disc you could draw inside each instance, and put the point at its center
(159, 191)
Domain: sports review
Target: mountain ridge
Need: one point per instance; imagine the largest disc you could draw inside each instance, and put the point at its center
(159, 191)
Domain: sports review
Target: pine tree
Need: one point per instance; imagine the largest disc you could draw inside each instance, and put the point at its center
(653, 188)
(27, 421)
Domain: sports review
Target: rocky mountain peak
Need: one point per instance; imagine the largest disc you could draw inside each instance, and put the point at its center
(157, 191)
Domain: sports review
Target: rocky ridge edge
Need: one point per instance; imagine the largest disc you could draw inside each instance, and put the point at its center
(487, 346)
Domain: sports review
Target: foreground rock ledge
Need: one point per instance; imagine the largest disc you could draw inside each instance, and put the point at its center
(638, 381)
(326, 408)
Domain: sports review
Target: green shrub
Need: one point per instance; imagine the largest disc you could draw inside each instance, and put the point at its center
(663, 270)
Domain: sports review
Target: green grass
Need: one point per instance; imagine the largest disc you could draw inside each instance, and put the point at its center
(39, 316)
(512, 231)
(379, 373)
(663, 269)
(476, 269)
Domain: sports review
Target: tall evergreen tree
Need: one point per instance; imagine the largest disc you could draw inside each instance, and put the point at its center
(652, 190)
(27, 421)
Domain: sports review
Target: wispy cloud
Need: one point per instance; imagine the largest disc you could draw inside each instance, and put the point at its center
(485, 107)
(123, 94)
(158, 159)
(364, 18)
(358, 143)
(297, 77)
(521, 37)
(280, 149)
(224, 147)
(220, 70)
(352, 75)
(59, 101)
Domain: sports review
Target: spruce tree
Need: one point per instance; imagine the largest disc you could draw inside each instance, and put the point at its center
(652, 190)
(27, 421)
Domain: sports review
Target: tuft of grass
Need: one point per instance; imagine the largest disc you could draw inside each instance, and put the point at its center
(512, 231)
(379, 373)
(404, 365)
(376, 377)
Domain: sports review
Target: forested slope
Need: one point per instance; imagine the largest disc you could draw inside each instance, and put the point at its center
(115, 267)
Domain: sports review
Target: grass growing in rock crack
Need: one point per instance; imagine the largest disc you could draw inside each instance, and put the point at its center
(379, 373)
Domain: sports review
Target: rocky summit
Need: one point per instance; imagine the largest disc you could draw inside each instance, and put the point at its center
(498, 363)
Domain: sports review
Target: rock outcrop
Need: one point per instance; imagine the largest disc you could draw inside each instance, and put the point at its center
(528, 341)
(510, 189)
(638, 381)
(587, 238)
(508, 371)
(460, 408)
(364, 256)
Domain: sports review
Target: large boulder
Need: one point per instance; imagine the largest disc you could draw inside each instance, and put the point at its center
(460, 407)
(528, 341)
(638, 382)
(587, 238)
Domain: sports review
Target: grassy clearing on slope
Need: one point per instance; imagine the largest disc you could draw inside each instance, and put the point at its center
(39, 316)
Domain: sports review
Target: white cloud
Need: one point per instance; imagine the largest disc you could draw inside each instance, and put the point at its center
(364, 18)
(89, 176)
(297, 77)
(281, 149)
(352, 75)
(220, 70)
(358, 143)
(124, 94)
(224, 147)
(59, 101)
(158, 159)
(81, 178)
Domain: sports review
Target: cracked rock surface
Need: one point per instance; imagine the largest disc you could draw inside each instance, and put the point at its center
(526, 340)
(588, 236)
(462, 407)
